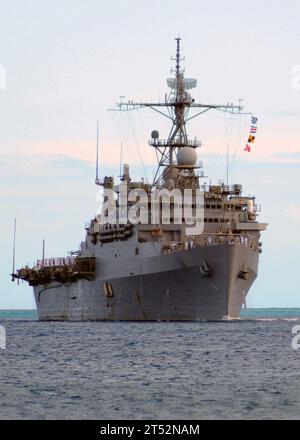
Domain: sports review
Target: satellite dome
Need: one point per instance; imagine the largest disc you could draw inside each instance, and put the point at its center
(187, 156)
(155, 134)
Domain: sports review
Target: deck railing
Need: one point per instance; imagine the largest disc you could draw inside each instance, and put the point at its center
(210, 240)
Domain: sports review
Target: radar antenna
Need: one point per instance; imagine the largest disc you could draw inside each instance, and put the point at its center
(178, 105)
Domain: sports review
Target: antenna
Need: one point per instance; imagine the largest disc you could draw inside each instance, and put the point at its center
(121, 160)
(178, 57)
(43, 255)
(97, 182)
(14, 252)
(227, 160)
(177, 110)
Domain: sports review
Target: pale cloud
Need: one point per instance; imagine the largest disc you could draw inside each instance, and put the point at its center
(276, 141)
(293, 156)
(142, 154)
(109, 151)
(294, 212)
(2, 77)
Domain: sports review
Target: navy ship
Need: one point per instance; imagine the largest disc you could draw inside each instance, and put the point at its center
(159, 268)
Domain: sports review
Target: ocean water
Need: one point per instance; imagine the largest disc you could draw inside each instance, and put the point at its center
(243, 369)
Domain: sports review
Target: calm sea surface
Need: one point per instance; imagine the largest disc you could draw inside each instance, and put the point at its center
(232, 370)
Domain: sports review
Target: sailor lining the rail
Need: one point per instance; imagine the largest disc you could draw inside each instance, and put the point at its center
(191, 244)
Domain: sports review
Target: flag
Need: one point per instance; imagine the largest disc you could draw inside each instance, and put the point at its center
(254, 120)
(253, 129)
(251, 139)
(247, 148)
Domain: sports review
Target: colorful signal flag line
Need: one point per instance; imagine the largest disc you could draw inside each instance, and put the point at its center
(253, 131)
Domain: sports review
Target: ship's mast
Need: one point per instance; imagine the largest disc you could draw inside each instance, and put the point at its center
(178, 105)
(179, 126)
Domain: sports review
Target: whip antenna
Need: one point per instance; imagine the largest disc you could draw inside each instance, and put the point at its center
(43, 254)
(227, 164)
(97, 182)
(121, 160)
(13, 275)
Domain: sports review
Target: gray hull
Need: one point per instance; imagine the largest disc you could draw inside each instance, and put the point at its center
(170, 287)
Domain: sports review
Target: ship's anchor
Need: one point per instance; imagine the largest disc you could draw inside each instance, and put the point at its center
(243, 273)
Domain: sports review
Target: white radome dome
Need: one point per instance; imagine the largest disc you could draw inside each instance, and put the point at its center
(187, 156)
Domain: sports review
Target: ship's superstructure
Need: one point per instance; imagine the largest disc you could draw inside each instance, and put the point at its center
(158, 268)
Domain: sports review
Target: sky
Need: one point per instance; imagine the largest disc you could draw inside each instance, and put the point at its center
(63, 64)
